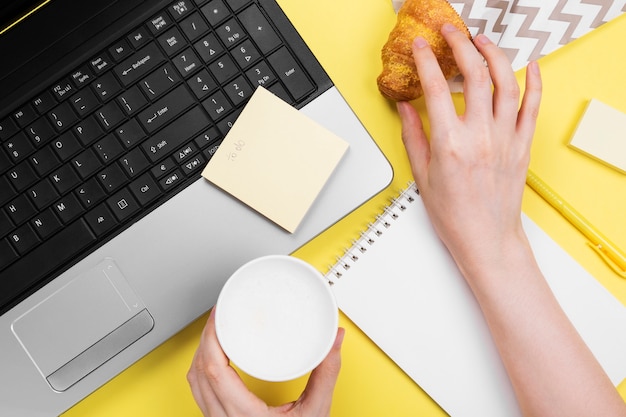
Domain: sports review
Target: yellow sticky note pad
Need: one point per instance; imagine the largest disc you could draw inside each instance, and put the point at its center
(600, 135)
(275, 159)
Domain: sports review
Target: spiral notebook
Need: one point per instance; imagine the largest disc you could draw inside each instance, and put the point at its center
(400, 286)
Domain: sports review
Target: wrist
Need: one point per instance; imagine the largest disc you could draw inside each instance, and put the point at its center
(496, 260)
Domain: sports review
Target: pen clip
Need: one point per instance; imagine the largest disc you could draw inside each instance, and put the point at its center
(607, 260)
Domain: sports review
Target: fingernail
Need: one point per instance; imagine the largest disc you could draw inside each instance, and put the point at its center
(400, 107)
(448, 27)
(341, 332)
(534, 67)
(420, 42)
(482, 39)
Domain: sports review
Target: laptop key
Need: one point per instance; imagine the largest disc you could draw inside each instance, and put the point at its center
(290, 72)
(44, 102)
(238, 90)
(62, 116)
(194, 26)
(187, 62)
(67, 208)
(202, 84)
(138, 65)
(130, 133)
(175, 135)
(101, 63)
(86, 163)
(180, 9)
(217, 105)
(44, 259)
(163, 167)
(44, 160)
(43, 194)
(88, 130)
(208, 47)
(160, 23)
(64, 178)
(144, 189)
(7, 128)
(134, 162)
(106, 86)
(20, 209)
(18, 147)
(132, 100)
(171, 180)
(193, 165)
(230, 33)
(109, 115)
(259, 28)
(159, 81)
(101, 220)
(45, 224)
(120, 50)
(7, 253)
(63, 89)
(165, 109)
(22, 176)
(66, 145)
(138, 37)
(123, 204)
(108, 148)
(82, 76)
(172, 41)
(90, 193)
(40, 131)
(215, 11)
(111, 178)
(24, 239)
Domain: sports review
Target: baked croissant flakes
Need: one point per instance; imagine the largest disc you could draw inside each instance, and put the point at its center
(399, 80)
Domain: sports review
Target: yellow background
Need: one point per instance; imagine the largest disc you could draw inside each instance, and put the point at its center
(347, 36)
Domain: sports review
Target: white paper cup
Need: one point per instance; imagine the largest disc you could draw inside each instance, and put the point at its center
(276, 318)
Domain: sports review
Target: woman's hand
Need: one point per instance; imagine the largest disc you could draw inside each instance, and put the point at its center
(471, 177)
(472, 173)
(220, 392)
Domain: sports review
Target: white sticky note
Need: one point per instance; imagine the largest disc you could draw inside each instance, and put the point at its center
(275, 159)
(600, 135)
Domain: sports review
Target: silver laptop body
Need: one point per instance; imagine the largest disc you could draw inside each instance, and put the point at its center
(148, 282)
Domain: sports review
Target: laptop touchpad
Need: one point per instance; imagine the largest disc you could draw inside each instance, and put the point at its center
(82, 325)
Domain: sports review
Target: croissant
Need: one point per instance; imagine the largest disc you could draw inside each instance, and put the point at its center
(399, 80)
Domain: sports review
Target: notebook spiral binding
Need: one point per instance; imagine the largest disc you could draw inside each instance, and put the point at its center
(376, 229)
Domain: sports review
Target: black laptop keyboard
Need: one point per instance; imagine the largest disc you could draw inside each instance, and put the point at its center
(130, 127)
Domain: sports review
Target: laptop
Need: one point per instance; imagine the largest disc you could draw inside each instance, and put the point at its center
(110, 241)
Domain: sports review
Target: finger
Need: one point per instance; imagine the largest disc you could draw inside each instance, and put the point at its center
(318, 394)
(529, 110)
(194, 384)
(207, 401)
(477, 80)
(506, 90)
(223, 380)
(436, 91)
(199, 375)
(415, 141)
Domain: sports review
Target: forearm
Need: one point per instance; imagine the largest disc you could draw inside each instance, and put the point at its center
(552, 370)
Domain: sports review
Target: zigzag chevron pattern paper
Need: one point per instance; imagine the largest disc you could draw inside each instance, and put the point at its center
(530, 29)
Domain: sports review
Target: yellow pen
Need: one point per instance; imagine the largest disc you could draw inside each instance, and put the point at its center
(610, 253)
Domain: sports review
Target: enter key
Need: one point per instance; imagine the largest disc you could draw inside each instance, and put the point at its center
(166, 109)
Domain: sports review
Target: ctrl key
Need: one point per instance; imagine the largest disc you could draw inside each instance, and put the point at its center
(145, 189)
